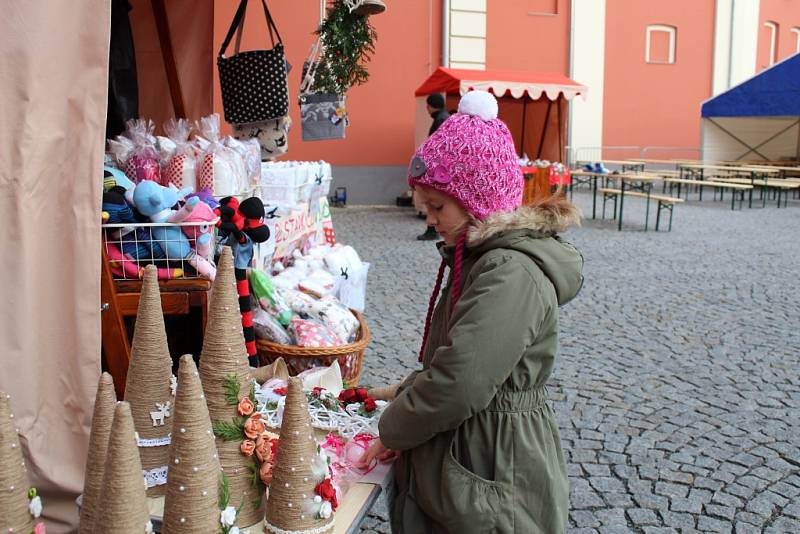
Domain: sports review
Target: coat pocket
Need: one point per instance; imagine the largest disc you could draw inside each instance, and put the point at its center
(470, 503)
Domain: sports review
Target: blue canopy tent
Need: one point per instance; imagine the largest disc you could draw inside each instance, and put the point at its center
(759, 119)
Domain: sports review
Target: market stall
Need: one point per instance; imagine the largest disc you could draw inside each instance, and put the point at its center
(757, 120)
(532, 104)
(183, 212)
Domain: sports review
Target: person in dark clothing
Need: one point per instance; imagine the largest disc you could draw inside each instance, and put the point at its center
(435, 103)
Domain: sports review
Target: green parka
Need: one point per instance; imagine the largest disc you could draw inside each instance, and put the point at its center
(481, 449)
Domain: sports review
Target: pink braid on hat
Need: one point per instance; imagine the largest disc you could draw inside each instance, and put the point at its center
(471, 158)
(455, 292)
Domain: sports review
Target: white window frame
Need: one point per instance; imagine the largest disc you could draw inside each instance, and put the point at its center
(672, 31)
(773, 40)
(796, 32)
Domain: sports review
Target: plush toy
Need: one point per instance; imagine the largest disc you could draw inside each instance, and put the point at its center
(243, 224)
(156, 202)
(201, 236)
(125, 266)
(128, 247)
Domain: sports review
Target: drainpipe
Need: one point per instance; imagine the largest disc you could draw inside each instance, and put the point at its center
(445, 33)
(730, 48)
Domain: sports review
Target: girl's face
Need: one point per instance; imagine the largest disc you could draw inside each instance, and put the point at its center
(443, 212)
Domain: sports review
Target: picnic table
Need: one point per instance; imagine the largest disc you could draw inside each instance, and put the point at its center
(640, 182)
(699, 171)
(632, 165)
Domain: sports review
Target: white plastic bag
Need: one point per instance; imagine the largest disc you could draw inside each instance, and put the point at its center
(353, 288)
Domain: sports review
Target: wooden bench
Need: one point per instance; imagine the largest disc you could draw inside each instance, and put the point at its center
(733, 186)
(664, 203)
(781, 185)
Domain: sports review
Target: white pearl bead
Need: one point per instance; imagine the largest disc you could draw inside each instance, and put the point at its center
(182, 488)
(183, 431)
(195, 469)
(293, 469)
(183, 520)
(11, 488)
(177, 461)
(205, 493)
(287, 485)
(290, 505)
(305, 479)
(13, 445)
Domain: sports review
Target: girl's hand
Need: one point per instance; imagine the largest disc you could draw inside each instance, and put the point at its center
(376, 451)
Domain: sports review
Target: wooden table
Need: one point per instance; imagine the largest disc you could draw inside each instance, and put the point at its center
(593, 176)
(627, 164)
(753, 172)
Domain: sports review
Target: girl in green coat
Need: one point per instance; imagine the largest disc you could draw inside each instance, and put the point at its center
(478, 445)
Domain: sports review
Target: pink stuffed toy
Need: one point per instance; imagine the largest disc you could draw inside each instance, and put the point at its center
(201, 237)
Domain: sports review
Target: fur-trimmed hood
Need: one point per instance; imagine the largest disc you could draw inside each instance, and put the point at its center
(534, 232)
(546, 221)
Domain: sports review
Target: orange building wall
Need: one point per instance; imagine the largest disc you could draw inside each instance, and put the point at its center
(382, 112)
(528, 35)
(786, 13)
(656, 104)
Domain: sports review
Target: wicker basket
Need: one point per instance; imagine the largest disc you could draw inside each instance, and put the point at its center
(299, 359)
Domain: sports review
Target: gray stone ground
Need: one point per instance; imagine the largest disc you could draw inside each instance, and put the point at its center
(676, 388)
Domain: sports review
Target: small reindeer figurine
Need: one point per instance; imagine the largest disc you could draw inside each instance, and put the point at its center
(162, 412)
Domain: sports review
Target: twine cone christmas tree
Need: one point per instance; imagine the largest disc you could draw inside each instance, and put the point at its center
(148, 385)
(15, 515)
(297, 472)
(223, 362)
(123, 505)
(104, 405)
(194, 470)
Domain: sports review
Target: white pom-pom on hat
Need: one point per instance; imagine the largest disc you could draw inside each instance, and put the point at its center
(479, 104)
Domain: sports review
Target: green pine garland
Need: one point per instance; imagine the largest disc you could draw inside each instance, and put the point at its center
(348, 40)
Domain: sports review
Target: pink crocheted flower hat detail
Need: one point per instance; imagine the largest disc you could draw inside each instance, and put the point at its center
(471, 157)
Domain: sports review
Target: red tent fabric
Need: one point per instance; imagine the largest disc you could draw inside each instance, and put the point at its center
(502, 83)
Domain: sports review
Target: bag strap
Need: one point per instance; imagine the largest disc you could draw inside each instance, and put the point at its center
(237, 26)
(307, 83)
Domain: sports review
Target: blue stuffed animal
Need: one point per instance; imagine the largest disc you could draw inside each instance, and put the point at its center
(156, 203)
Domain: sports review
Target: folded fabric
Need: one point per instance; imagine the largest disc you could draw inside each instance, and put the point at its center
(309, 333)
(336, 317)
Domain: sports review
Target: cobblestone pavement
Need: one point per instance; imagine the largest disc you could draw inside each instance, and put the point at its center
(676, 387)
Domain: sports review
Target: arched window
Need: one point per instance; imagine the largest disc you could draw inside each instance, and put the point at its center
(796, 32)
(660, 45)
(772, 28)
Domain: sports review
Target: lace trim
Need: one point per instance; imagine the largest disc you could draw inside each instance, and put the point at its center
(155, 477)
(155, 442)
(318, 530)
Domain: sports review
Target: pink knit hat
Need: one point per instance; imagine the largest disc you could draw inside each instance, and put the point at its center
(471, 158)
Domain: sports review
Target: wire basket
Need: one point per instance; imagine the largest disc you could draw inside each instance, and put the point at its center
(172, 247)
(299, 359)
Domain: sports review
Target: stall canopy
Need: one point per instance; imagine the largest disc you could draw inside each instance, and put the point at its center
(531, 103)
(757, 119)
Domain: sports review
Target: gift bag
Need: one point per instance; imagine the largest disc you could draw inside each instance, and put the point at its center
(322, 116)
(253, 83)
(220, 170)
(178, 166)
(272, 135)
